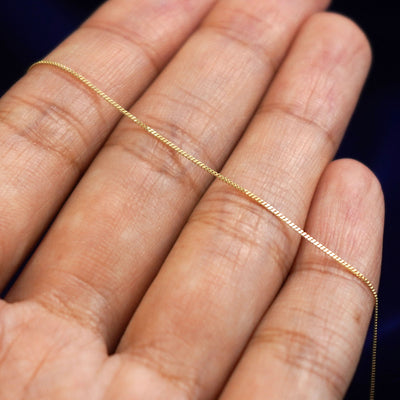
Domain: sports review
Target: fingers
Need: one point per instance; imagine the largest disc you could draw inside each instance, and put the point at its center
(51, 126)
(232, 256)
(308, 344)
(125, 215)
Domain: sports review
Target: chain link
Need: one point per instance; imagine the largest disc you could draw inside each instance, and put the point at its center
(247, 193)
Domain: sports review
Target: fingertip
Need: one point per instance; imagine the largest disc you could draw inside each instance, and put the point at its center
(349, 199)
(341, 38)
(355, 181)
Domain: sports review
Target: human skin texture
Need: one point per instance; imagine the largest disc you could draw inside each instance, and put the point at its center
(152, 281)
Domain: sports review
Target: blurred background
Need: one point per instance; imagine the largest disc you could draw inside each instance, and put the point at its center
(29, 29)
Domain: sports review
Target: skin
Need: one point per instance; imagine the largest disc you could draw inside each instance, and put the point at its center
(152, 281)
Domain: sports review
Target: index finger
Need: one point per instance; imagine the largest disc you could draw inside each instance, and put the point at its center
(48, 136)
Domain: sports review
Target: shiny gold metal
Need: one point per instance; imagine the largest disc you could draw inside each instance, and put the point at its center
(247, 193)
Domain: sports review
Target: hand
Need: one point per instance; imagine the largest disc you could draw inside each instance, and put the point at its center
(154, 282)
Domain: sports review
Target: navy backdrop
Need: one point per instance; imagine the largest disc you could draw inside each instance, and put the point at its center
(31, 28)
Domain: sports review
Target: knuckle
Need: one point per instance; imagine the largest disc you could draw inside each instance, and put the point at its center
(158, 157)
(158, 162)
(227, 210)
(244, 28)
(156, 356)
(323, 269)
(302, 351)
(122, 34)
(240, 223)
(183, 128)
(51, 127)
(88, 314)
(141, 27)
(300, 113)
(153, 155)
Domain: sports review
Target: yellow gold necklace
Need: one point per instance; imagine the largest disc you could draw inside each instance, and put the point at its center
(354, 271)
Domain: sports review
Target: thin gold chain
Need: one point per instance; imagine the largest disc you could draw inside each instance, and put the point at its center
(247, 193)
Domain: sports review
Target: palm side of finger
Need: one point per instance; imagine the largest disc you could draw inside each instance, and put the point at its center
(55, 340)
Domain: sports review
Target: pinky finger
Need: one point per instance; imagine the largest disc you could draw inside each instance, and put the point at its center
(309, 342)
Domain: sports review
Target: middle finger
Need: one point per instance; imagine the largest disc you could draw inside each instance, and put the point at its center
(94, 250)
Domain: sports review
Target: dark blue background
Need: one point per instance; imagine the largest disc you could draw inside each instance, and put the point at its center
(31, 28)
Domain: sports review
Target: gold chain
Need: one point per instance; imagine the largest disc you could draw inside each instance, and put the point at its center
(247, 193)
